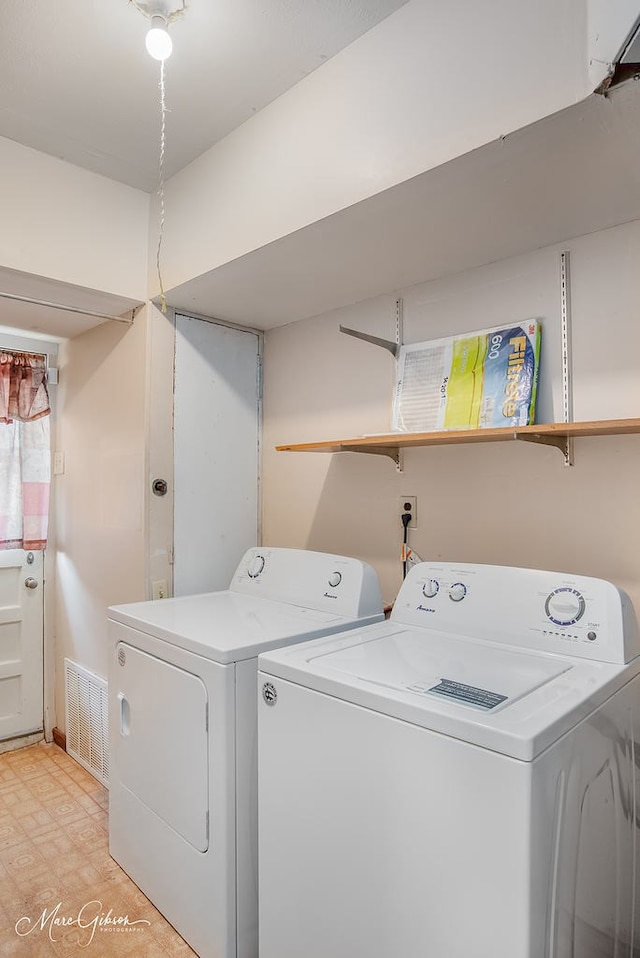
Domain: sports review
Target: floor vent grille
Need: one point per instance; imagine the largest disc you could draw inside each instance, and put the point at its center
(87, 720)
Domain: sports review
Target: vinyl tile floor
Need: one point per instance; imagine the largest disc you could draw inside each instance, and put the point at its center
(58, 884)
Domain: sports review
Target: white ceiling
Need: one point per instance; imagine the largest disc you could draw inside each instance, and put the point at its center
(76, 81)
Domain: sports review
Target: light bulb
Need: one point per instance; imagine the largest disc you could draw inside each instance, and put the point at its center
(158, 41)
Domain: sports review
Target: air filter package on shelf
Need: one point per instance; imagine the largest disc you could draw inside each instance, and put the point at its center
(480, 380)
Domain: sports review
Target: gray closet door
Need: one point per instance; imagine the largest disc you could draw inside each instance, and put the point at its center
(216, 452)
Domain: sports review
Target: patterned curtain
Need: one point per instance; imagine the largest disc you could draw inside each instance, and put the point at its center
(25, 457)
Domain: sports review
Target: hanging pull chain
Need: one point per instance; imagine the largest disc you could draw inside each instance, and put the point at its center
(163, 111)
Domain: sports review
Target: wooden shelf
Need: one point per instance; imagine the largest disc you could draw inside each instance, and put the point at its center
(551, 434)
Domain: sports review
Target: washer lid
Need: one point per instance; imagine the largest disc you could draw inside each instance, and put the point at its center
(467, 673)
(489, 694)
(228, 627)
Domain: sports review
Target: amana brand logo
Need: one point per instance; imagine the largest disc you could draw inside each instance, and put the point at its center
(269, 693)
(423, 608)
(122, 656)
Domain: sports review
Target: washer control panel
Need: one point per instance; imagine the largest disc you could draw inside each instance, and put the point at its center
(579, 616)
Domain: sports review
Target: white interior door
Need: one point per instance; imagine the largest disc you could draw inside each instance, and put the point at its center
(216, 452)
(21, 642)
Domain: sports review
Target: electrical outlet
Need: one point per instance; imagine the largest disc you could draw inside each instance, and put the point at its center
(409, 504)
(159, 589)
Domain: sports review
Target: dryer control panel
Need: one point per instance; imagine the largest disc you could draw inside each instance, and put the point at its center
(548, 611)
(311, 580)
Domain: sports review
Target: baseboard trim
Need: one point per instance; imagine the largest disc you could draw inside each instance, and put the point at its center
(59, 738)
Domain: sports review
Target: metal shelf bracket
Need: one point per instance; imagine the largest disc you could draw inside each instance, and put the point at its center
(393, 452)
(560, 442)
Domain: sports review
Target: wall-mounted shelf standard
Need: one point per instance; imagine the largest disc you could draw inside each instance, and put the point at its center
(550, 434)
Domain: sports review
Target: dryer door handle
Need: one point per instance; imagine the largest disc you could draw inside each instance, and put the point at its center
(125, 714)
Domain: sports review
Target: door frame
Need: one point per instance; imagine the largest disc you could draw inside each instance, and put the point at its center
(158, 510)
(18, 339)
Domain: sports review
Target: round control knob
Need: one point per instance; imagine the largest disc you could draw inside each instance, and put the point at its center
(335, 579)
(256, 566)
(430, 588)
(564, 606)
(457, 591)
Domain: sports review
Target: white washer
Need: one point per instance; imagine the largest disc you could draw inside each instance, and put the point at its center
(182, 715)
(461, 780)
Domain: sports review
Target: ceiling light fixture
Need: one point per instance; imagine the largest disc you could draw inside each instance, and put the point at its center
(158, 41)
(161, 13)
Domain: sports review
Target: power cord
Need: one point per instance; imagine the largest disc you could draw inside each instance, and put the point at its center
(405, 518)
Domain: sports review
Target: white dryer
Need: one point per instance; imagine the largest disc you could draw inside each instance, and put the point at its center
(460, 781)
(182, 716)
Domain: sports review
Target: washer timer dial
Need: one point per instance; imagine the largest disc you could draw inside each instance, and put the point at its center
(565, 606)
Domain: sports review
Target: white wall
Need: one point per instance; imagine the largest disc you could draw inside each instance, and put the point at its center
(67, 224)
(430, 82)
(513, 504)
(100, 498)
